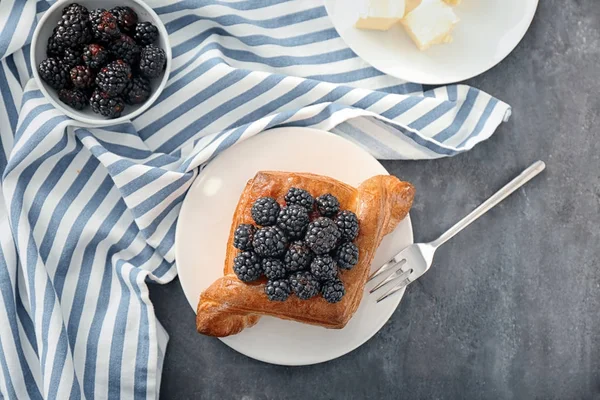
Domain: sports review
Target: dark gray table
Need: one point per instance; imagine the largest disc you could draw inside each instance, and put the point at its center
(511, 307)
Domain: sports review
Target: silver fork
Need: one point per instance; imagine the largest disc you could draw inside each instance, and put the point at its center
(416, 259)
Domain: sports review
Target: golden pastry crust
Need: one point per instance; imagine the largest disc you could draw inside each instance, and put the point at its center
(229, 305)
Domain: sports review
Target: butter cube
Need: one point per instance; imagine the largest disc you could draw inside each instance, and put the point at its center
(430, 23)
(380, 15)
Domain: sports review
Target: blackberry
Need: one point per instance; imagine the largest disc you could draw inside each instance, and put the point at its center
(323, 268)
(346, 256)
(76, 8)
(54, 48)
(126, 18)
(114, 77)
(71, 57)
(328, 205)
(247, 266)
(300, 197)
(54, 72)
(333, 291)
(152, 61)
(347, 223)
(293, 220)
(137, 91)
(103, 103)
(145, 33)
(269, 242)
(82, 77)
(322, 235)
(95, 56)
(273, 268)
(304, 284)
(278, 289)
(297, 257)
(73, 28)
(104, 25)
(265, 211)
(242, 237)
(125, 48)
(75, 98)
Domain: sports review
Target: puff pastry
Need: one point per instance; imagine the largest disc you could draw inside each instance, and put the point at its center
(229, 305)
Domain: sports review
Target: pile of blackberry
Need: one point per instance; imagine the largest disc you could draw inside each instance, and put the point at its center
(300, 247)
(102, 58)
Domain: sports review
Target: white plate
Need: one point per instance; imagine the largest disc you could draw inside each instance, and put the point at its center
(487, 32)
(205, 220)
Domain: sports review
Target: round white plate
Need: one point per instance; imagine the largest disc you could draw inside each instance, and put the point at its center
(205, 220)
(487, 32)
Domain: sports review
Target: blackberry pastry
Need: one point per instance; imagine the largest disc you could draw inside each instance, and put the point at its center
(320, 275)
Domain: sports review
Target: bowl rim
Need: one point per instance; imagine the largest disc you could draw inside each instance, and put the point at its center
(100, 121)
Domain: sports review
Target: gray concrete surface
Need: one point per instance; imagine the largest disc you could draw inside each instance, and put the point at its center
(511, 307)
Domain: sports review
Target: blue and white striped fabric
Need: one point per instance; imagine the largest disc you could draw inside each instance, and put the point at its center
(88, 216)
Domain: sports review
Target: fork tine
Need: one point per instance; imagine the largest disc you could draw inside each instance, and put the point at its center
(395, 289)
(388, 265)
(397, 275)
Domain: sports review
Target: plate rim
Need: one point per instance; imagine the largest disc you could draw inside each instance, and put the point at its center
(265, 358)
(331, 3)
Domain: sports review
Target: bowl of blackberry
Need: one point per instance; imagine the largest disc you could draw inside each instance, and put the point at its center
(299, 248)
(101, 62)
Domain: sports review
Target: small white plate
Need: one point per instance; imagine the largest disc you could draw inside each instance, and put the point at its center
(487, 32)
(205, 220)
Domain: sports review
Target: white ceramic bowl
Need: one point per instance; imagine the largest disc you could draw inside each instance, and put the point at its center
(87, 116)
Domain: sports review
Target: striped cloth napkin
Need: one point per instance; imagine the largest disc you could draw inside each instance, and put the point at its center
(88, 216)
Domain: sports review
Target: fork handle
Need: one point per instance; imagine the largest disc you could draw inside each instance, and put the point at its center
(500, 195)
